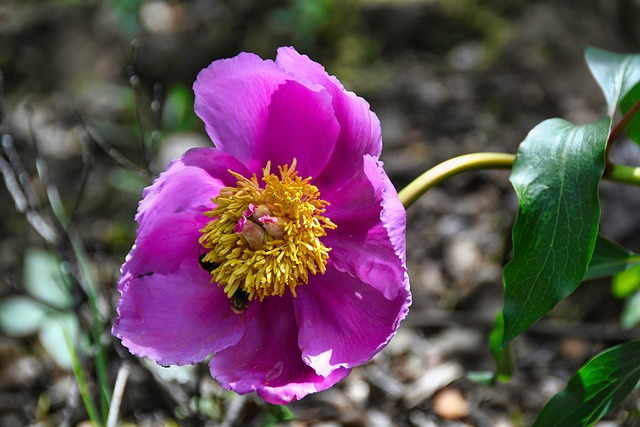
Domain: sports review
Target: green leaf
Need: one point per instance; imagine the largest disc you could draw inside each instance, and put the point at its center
(126, 181)
(596, 389)
(625, 283)
(616, 74)
(127, 12)
(178, 113)
(276, 414)
(633, 127)
(20, 316)
(556, 175)
(53, 331)
(483, 378)
(630, 317)
(43, 278)
(610, 258)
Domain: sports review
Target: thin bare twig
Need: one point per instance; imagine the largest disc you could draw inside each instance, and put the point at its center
(24, 179)
(87, 133)
(118, 392)
(87, 165)
(3, 127)
(157, 106)
(11, 182)
(42, 168)
(134, 81)
(18, 183)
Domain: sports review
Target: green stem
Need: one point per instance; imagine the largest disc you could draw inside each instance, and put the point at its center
(452, 167)
(623, 174)
(475, 161)
(83, 387)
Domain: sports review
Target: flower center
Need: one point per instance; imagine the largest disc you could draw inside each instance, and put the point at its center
(262, 240)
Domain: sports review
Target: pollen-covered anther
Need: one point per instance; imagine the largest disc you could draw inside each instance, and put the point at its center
(266, 238)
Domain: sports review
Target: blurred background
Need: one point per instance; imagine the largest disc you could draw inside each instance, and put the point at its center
(96, 100)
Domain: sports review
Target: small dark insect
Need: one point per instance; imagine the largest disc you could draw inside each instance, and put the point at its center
(140, 276)
(239, 301)
(207, 265)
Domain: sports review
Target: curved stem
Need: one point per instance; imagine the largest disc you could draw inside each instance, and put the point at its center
(475, 161)
(452, 167)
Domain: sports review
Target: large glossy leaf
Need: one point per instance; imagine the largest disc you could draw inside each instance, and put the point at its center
(597, 388)
(556, 176)
(618, 76)
(610, 258)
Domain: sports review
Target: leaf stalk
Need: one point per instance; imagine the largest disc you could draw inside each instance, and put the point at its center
(477, 161)
(450, 168)
(624, 121)
(618, 128)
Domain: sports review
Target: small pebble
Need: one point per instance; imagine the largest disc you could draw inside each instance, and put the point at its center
(450, 404)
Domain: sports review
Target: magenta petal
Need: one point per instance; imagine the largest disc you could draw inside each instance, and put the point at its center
(178, 318)
(189, 182)
(232, 98)
(343, 321)
(162, 248)
(369, 241)
(268, 360)
(360, 131)
(301, 125)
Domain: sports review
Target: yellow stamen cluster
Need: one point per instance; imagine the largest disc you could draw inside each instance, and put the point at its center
(284, 248)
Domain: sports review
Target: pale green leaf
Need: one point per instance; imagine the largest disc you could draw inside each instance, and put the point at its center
(616, 74)
(625, 283)
(630, 317)
(54, 331)
(610, 258)
(20, 316)
(44, 279)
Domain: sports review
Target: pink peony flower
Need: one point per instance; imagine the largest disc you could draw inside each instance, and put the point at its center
(282, 250)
